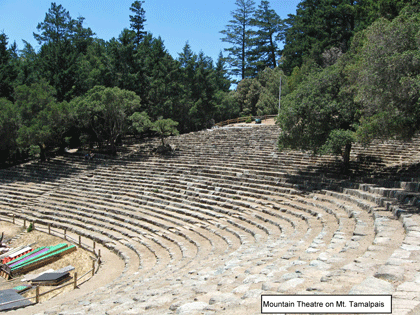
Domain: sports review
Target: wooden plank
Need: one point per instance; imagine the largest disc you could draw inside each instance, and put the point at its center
(51, 250)
(10, 296)
(44, 261)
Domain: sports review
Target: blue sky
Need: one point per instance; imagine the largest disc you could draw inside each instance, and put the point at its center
(198, 22)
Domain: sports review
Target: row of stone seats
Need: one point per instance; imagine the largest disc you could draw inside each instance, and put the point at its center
(99, 180)
(25, 182)
(179, 211)
(398, 273)
(391, 146)
(359, 204)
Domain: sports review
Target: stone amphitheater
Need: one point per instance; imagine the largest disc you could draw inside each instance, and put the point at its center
(227, 218)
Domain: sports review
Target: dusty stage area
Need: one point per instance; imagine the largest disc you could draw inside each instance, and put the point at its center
(80, 259)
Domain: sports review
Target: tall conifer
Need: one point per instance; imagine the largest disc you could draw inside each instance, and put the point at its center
(270, 29)
(238, 33)
(137, 20)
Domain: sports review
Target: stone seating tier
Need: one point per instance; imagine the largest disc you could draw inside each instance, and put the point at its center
(226, 218)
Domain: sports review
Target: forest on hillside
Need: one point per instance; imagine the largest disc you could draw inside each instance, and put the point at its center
(350, 71)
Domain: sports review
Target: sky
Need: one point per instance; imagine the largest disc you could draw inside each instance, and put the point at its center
(176, 22)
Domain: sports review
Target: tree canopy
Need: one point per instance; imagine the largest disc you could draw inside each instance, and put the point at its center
(370, 92)
(349, 71)
(105, 111)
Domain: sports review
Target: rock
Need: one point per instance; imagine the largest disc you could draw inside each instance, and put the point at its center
(191, 307)
(410, 247)
(252, 294)
(323, 257)
(398, 261)
(225, 298)
(319, 265)
(392, 273)
(409, 287)
(268, 287)
(325, 279)
(298, 263)
(254, 279)
(241, 289)
(373, 285)
(359, 231)
(290, 284)
(291, 275)
(173, 307)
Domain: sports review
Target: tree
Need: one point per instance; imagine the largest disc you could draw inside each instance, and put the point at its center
(137, 20)
(140, 121)
(239, 33)
(390, 9)
(8, 73)
(372, 91)
(300, 34)
(247, 95)
(386, 77)
(42, 120)
(122, 61)
(63, 41)
(164, 128)
(222, 78)
(268, 100)
(94, 67)
(199, 85)
(158, 80)
(320, 115)
(318, 26)
(28, 65)
(57, 25)
(270, 29)
(224, 103)
(227, 106)
(8, 129)
(105, 111)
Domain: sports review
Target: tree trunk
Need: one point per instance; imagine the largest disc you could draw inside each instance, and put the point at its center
(273, 52)
(42, 155)
(113, 147)
(346, 158)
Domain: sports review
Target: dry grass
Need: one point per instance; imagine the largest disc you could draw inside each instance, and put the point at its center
(80, 259)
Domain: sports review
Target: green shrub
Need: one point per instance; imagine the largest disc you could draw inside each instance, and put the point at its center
(30, 228)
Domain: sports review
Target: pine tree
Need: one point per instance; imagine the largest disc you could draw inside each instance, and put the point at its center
(137, 20)
(63, 41)
(318, 26)
(270, 29)
(8, 129)
(122, 60)
(28, 65)
(239, 34)
(8, 71)
(222, 78)
(56, 27)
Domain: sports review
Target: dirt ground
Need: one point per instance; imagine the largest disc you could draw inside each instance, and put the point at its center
(268, 122)
(15, 236)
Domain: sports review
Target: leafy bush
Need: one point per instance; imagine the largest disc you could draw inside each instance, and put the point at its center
(30, 228)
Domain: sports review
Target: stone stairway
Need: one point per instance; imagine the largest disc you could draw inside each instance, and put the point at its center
(227, 218)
